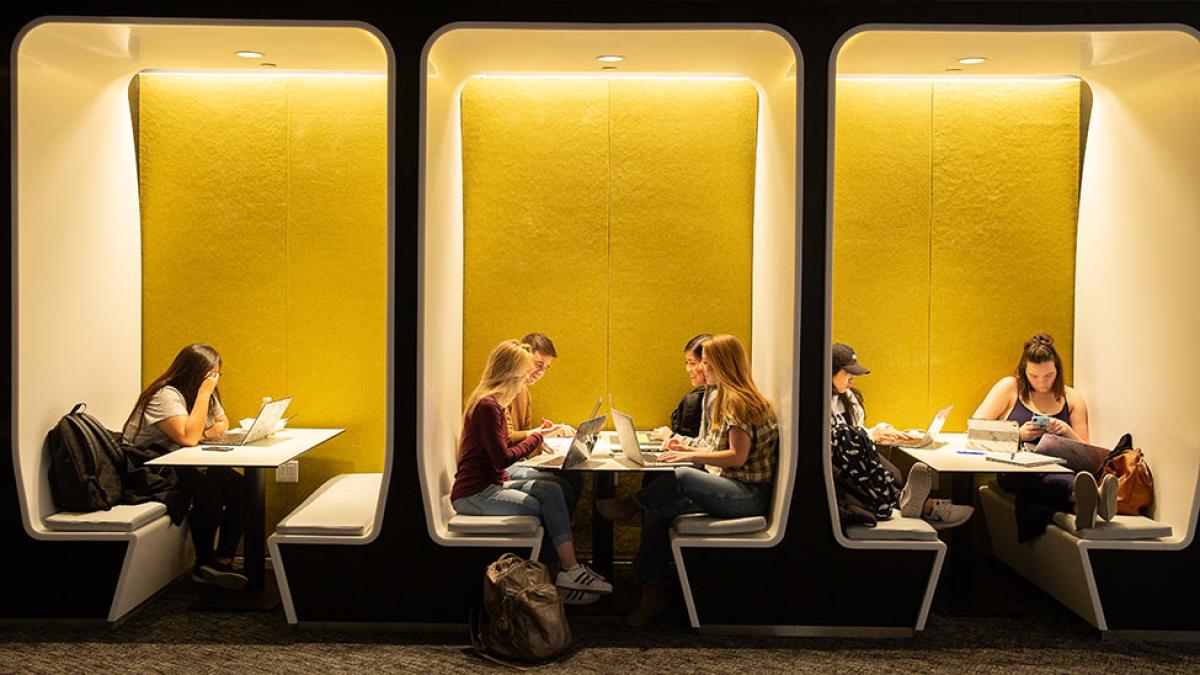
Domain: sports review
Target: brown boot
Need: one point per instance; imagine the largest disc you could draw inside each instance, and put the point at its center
(619, 510)
(654, 600)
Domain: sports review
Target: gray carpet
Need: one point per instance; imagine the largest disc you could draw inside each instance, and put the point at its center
(163, 636)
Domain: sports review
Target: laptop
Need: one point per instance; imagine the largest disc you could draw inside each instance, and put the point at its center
(630, 447)
(580, 450)
(268, 417)
(993, 435)
(929, 437)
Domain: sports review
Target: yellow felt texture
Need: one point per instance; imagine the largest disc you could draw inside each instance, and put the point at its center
(1005, 206)
(264, 232)
(535, 222)
(881, 241)
(939, 309)
(614, 216)
(682, 220)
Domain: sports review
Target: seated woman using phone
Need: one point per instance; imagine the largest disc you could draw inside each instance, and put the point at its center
(1036, 397)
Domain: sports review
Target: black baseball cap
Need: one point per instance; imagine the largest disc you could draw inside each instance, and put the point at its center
(845, 359)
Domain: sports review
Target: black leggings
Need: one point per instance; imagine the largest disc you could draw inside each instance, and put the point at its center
(217, 496)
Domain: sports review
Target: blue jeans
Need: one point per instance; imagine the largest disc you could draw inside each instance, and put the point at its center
(540, 498)
(569, 481)
(689, 490)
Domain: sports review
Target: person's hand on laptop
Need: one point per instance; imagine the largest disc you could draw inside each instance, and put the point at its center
(891, 436)
(675, 451)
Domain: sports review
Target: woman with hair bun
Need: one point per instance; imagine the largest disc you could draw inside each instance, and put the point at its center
(1036, 397)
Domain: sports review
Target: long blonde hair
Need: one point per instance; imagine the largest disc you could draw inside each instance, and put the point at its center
(508, 367)
(737, 395)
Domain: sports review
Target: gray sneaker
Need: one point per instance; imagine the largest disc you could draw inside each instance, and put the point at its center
(945, 514)
(221, 578)
(916, 490)
(1106, 508)
(1087, 499)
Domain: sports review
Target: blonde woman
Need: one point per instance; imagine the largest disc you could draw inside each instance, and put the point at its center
(744, 436)
(482, 486)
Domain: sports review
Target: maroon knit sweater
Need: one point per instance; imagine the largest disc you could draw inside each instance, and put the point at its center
(485, 453)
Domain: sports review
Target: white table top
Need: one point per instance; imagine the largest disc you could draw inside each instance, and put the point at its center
(282, 447)
(947, 459)
(606, 457)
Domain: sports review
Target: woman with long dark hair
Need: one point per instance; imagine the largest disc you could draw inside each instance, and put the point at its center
(182, 407)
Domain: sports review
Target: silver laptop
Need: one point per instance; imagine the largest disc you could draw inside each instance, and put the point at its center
(627, 435)
(268, 417)
(929, 437)
(581, 447)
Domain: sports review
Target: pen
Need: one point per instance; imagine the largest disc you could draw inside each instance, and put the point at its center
(971, 452)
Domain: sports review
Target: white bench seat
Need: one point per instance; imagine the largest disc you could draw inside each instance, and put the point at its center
(343, 506)
(120, 518)
(702, 524)
(895, 528)
(1119, 528)
(493, 524)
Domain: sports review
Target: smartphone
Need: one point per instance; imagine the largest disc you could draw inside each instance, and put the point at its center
(217, 448)
(1041, 420)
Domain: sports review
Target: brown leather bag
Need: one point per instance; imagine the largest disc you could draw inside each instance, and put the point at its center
(1135, 494)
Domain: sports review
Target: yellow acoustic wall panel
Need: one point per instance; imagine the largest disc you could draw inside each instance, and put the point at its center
(1005, 206)
(682, 222)
(988, 186)
(881, 241)
(616, 217)
(337, 272)
(535, 221)
(264, 232)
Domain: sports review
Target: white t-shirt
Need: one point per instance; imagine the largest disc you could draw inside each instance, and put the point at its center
(166, 402)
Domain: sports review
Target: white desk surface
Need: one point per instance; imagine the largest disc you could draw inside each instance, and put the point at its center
(283, 447)
(606, 457)
(946, 459)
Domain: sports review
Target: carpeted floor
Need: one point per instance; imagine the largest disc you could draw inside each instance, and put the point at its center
(163, 636)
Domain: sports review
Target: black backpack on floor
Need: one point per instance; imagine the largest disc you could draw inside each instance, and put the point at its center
(86, 463)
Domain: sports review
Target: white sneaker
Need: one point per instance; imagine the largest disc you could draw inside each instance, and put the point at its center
(916, 490)
(570, 596)
(1087, 499)
(1106, 508)
(946, 514)
(581, 578)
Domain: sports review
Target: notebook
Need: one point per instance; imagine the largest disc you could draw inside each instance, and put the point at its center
(1023, 458)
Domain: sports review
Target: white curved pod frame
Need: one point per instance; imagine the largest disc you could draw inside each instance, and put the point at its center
(764, 54)
(76, 235)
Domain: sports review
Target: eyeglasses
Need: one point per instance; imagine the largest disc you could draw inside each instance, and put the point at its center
(541, 366)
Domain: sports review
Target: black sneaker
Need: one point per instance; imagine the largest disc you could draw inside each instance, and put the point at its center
(219, 575)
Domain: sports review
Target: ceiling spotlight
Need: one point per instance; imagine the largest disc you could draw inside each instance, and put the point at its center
(608, 67)
(264, 64)
(954, 70)
(610, 58)
(972, 60)
(246, 54)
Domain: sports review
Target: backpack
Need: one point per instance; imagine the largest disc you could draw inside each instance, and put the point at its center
(86, 463)
(1135, 483)
(859, 476)
(525, 618)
